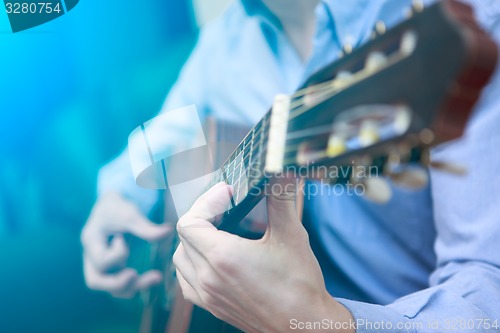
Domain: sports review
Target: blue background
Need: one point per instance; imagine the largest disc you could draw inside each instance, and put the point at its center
(71, 91)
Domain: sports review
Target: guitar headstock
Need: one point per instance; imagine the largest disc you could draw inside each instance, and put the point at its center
(385, 104)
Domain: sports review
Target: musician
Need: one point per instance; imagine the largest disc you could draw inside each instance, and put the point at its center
(240, 63)
(427, 261)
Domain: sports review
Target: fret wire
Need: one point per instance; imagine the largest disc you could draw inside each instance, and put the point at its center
(239, 178)
(247, 158)
(251, 151)
(259, 125)
(240, 149)
(261, 130)
(298, 107)
(286, 161)
(259, 133)
(261, 141)
(260, 151)
(232, 172)
(235, 183)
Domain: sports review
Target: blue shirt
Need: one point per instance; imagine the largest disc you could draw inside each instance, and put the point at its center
(426, 261)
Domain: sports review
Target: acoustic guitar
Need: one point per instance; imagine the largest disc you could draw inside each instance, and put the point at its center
(379, 107)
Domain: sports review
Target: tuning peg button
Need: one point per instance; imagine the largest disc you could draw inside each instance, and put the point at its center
(417, 6)
(380, 27)
(347, 48)
(408, 43)
(426, 136)
(454, 169)
(411, 178)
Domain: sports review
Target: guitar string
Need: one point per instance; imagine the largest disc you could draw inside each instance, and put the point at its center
(300, 106)
(299, 94)
(266, 118)
(259, 140)
(224, 175)
(262, 129)
(234, 156)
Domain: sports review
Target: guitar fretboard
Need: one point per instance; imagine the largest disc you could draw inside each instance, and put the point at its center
(244, 167)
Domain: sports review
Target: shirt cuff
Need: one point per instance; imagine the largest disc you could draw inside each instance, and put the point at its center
(373, 318)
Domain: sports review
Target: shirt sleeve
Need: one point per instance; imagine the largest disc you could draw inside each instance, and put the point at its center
(189, 89)
(464, 292)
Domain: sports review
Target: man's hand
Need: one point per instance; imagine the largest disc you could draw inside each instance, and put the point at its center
(105, 249)
(257, 286)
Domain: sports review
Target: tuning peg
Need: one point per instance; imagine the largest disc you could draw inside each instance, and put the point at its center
(426, 136)
(451, 168)
(368, 133)
(347, 48)
(411, 178)
(380, 27)
(454, 169)
(400, 154)
(417, 6)
(375, 61)
(402, 175)
(342, 79)
(408, 43)
(402, 119)
(377, 190)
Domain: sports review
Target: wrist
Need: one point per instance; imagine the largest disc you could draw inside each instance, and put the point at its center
(324, 314)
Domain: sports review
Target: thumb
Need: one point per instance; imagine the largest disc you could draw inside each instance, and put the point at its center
(281, 209)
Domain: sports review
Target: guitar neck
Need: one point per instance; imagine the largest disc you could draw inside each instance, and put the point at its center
(362, 110)
(244, 168)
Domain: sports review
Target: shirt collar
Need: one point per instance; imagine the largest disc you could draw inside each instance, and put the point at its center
(351, 18)
(257, 8)
(354, 20)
